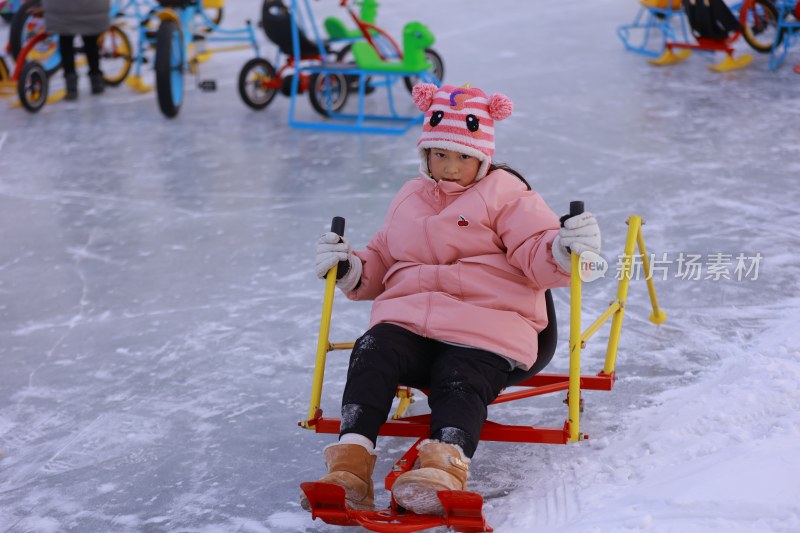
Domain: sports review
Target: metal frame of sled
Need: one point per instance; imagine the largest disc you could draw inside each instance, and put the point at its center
(463, 510)
(656, 23)
(787, 35)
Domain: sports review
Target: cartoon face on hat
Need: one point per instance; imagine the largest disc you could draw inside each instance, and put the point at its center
(460, 119)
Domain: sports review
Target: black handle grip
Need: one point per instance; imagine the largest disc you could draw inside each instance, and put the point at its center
(337, 226)
(575, 209)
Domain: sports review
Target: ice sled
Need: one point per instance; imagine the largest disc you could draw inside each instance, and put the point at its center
(715, 29)
(464, 510)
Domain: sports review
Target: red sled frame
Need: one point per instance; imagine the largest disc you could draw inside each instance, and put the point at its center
(463, 510)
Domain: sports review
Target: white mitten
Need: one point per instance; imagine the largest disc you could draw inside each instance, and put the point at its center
(580, 233)
(330, 250)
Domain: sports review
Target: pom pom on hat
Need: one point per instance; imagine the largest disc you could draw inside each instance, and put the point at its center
(500, 106)
(422, 93)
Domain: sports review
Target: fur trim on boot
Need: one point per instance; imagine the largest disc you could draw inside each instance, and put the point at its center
(349, 466)
(442, 466)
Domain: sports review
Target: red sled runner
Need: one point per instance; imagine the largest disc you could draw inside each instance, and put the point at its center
(463, 510)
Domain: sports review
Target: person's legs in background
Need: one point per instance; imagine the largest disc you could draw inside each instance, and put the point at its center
(92, 51)
(66, 46)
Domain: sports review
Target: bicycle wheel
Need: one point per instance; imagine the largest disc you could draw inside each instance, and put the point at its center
(254, 83)
(759, 20)
(169, 68)
(434, 59)
(328, 92)
(32, 86)
(116, 55)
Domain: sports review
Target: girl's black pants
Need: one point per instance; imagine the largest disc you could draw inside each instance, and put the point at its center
(461, 383)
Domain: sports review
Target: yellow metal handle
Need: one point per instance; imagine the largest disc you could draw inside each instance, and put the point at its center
(574, 397)
(323, 343)
(322, 347)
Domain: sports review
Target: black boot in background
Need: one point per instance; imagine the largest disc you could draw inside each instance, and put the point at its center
(98, 84)
(72, 86)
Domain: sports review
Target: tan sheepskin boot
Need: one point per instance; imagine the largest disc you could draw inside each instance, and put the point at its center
(350, 466)
(441, 467)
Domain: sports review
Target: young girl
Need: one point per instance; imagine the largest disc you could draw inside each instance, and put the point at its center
(458, 274)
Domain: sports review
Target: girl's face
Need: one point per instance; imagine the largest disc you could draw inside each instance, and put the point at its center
(453, 166)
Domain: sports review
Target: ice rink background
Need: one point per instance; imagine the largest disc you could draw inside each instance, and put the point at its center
(159, 311)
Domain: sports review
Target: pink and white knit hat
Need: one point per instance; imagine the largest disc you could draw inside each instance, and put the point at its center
(460, 119)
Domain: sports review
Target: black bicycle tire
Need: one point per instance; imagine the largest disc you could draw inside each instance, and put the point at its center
(317, 98)
(163, 68)
(33, 106)
(116, 81)
(243, 83)
(750, 38)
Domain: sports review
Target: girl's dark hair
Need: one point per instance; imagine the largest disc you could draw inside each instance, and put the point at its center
(503, 166)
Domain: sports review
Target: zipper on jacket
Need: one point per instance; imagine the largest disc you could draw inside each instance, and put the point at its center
(440, 200)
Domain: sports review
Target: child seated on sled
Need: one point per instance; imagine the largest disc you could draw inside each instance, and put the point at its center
(458, 275)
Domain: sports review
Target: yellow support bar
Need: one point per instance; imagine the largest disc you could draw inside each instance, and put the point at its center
(406, 396)
(658, 316)
(341, 346)
(634, 226)
(574, 397)
(591, 330)
(322, 346)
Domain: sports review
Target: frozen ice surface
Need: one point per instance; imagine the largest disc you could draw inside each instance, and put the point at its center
(159, 310)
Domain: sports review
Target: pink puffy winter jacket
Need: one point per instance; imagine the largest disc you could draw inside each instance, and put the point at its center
(467, 265)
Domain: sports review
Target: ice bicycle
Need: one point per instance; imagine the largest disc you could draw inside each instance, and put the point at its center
(715, 28)
(181, 39)
(260, 81)
(311, 66)
(463, 509)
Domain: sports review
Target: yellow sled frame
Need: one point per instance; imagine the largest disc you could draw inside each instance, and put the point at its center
(577, 341)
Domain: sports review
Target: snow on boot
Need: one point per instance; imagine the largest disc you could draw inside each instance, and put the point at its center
(442, 466)
(350, 466)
